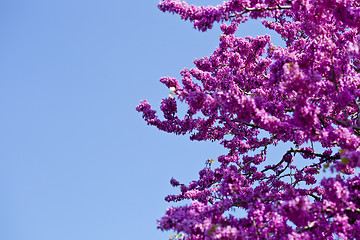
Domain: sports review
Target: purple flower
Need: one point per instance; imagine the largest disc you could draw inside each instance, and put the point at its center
(257, 99)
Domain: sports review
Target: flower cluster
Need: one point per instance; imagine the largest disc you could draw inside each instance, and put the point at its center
(249, 95)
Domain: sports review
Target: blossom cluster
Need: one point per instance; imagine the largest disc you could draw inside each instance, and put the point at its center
(249, 95)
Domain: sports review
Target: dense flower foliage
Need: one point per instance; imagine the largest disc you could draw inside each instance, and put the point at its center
(251, 95)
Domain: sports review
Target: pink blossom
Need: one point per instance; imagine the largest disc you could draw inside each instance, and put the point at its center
(249, 96)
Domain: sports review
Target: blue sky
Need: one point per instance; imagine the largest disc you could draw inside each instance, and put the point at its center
(76, 159)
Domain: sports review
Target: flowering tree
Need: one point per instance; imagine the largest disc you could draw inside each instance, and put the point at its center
(251, 95)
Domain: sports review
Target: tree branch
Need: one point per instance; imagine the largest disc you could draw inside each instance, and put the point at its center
(342, 123)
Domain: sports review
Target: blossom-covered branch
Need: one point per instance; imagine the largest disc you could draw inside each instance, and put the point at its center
(251, 96)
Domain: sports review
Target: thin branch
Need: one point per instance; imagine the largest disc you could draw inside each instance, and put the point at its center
(246, 10)
(342, 123)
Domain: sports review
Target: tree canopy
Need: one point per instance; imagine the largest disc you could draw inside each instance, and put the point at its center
(249, 95)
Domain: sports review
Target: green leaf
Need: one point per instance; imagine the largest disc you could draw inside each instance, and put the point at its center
(345, 160)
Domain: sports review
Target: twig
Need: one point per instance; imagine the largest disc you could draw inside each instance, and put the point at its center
(340, 122)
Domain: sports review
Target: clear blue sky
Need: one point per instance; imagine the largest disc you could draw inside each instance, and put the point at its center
(76, 159)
